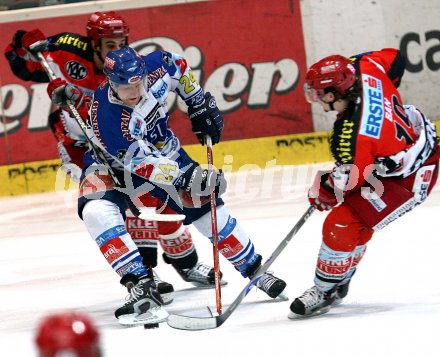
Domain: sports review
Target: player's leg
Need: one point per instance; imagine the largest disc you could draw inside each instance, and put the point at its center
(237, 248)
(101, 207)
(342, 248)
(234, 244)
(179, 251)
(350, 226)
(145, 235)
(70, 151)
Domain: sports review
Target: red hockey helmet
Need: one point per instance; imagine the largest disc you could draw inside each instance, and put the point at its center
(106, 24)
(67, 332)
(333, 71)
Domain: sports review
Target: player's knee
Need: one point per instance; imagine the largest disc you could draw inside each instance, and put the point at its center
(98, 214)
(167, 228)
(343, 231)
(365, 235)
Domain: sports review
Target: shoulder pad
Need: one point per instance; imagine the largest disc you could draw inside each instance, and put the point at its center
(70, 42)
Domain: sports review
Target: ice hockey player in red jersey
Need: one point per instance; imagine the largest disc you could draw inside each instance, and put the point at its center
(78, 62)
(68, 334)
(386, 156)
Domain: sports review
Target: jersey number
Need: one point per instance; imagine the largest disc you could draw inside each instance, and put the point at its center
(188, 82)
(166, 169)
(401, 128)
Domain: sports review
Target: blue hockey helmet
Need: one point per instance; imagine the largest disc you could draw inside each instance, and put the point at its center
(125, 66)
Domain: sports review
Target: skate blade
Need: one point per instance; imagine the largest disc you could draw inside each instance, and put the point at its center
(167, 298)
(282, 296)
(337, 302)
(293, 316)
(207, 286)
(152, 316)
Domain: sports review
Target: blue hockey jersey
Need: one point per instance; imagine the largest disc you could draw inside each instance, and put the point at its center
(138, 138)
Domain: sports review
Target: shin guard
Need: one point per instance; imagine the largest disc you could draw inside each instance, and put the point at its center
(145, 235)
(105, 224)
(356, 256)
(233, 243)
(177, 244)
(332, 267)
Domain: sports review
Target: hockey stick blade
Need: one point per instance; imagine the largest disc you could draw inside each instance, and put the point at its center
(194, 323)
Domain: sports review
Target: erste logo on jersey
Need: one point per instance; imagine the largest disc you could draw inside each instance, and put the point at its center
(373, 109)
(76, 70)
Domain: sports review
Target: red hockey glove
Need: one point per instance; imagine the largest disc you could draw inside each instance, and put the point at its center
(27, 44)
(322, 194)
(63, 93)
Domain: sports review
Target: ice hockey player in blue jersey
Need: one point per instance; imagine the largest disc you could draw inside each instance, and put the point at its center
(129, 122)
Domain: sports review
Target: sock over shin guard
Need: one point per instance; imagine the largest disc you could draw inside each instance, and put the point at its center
(233, 243)
(105, 224)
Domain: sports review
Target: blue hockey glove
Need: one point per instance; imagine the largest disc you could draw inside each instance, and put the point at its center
(197, 185)
(206, 119)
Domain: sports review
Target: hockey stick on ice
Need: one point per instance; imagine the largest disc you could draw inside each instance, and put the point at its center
(205, 323)
(142, 213)
(218, 294)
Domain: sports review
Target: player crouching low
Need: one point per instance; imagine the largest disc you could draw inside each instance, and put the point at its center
(129, 123)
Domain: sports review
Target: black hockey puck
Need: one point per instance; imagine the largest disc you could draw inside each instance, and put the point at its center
(149, 326)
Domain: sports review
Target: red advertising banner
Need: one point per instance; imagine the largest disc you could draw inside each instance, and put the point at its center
(249, 54)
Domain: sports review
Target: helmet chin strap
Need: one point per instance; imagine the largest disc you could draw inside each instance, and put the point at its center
(336, 97)
(98, 53)
(331, 105)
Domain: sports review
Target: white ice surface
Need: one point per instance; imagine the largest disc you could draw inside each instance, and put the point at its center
(49, 263)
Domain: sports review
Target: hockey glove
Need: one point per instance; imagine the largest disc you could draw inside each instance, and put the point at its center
(322, 194)
(63, 93)
(199, 183)
(27, 44)
(206, 119)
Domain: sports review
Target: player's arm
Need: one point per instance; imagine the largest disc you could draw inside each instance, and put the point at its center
(192, 180)
(390, 60)
(206, 118)
(331, 186)
(21, 55)
(393, 63)
(143, 159)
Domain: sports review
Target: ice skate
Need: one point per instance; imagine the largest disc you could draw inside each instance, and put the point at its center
(268, 283)
(342, 290)
(341, 293)
(200, 275)
(165, 289)
(144, 305)
(312, 302)
(272, 286)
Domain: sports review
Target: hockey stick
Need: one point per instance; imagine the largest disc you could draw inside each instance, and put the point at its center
(204, 323)
(218, 294)
(143, 213)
